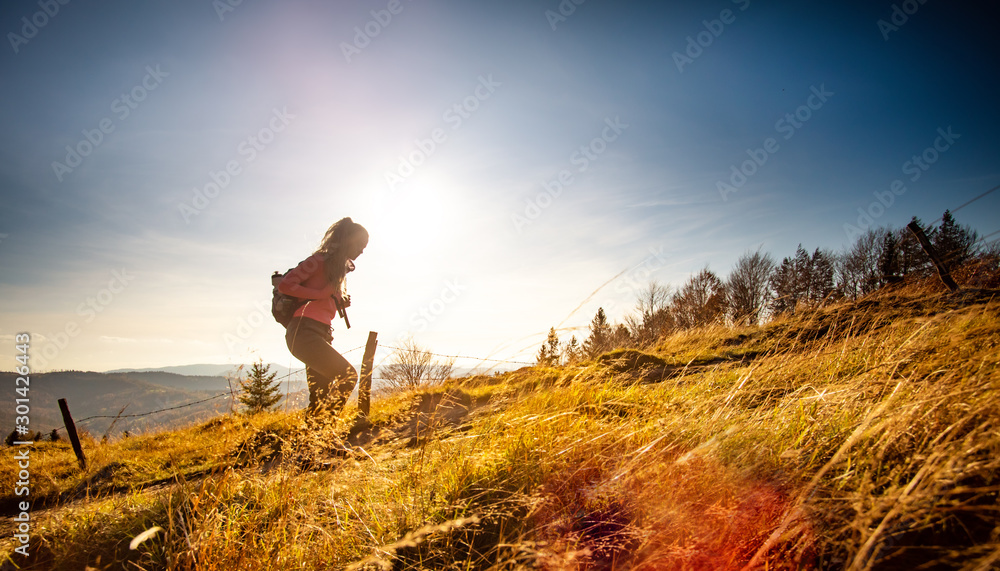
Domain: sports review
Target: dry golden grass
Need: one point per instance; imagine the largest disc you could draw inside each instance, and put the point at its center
(859, 436)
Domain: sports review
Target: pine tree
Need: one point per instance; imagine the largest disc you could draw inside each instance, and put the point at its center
(542, 358)
(572, 351)
(888, 262)
(803, 280)
(549, 355)
(620, 337)
(260, 392)
(600, 335)
(912, 257)
(803, 269)
(821, 283)
(781, 283)
(952, 242)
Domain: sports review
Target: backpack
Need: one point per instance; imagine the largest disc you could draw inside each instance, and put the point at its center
(283, 306)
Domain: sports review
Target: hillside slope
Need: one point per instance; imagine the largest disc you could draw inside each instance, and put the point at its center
(858, 436)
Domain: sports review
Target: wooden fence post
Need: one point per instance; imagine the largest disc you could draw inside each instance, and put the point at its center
(365, 384)
(925, 243)
(71, 430)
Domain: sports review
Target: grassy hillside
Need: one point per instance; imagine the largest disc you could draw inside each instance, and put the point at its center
(859, 436)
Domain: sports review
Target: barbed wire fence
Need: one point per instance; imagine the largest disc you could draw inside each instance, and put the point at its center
(234, 393)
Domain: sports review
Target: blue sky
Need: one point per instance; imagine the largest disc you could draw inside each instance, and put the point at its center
(509, 158)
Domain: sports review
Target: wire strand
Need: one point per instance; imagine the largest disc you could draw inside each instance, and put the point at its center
(463, 356)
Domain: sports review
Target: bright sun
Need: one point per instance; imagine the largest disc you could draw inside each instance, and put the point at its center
(413, 219)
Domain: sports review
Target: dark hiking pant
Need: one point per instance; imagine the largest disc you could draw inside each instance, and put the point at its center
(330, 377)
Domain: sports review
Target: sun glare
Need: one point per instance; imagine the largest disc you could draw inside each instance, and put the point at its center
(412, 219)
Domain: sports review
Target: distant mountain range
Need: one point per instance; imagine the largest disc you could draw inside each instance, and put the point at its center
(204, 370)
(131, 394)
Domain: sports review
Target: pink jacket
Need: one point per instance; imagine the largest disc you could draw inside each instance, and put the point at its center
(308, 281)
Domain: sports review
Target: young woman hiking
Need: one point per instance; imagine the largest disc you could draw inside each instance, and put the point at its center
(319, 278)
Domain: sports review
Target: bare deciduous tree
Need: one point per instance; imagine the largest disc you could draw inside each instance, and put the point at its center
(748, 288)
(651, 319)
(412, 366)
(858, 272)
(700, 301)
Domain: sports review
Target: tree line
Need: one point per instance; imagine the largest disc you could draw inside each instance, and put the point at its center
(759, 288)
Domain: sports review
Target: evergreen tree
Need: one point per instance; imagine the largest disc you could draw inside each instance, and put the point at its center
(803, 280)
(542, 358)
(260, 391)
(599, 339)
(783, 284)
(821, 283)
(620, 337)
(953, 243)
(572, 351)
(792, 282)
(549, 355)
(803, 274)
(888, 262)
(912, 257)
